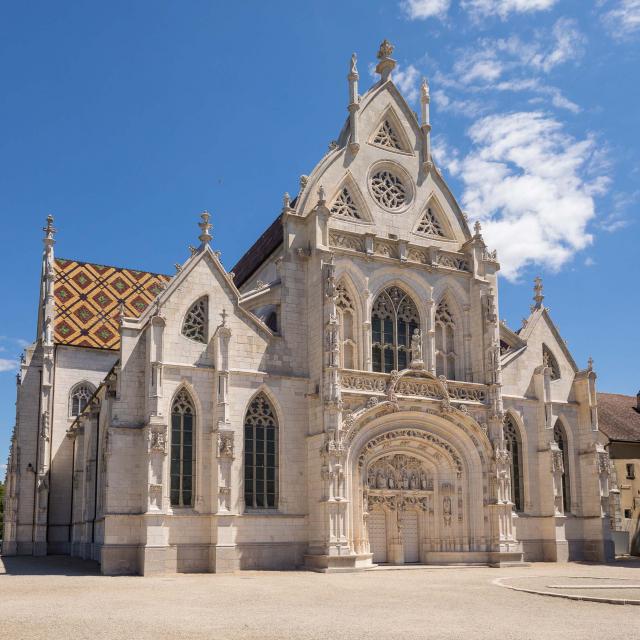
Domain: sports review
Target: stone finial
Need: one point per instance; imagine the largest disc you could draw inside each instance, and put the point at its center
(477, 228)
(223, 315)
(49, 231)
(286, 201)
(321, 195)
(387, 64)
(538, 296)
(353, 70)
(590, 364)
(385, 50)
(304, 180)
(205, 226)
(425, 89)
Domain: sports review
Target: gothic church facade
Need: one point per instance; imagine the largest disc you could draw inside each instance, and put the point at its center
(346, 396)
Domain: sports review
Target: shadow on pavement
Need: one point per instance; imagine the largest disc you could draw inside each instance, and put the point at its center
(48, 566)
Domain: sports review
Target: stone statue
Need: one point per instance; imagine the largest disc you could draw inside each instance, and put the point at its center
(416, 350)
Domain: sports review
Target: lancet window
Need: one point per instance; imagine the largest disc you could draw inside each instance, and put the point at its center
(560, 437)
(194, 326)
(79, 397)
(514, 447)
(445, 342)
(346, 318)
(260, 455)
(549, 360)
(183, 450)
(393, 320)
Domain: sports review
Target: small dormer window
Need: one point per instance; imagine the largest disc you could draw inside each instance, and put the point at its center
(194, 326)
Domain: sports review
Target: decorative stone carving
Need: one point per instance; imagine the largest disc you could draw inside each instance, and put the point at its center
(225, 444)
(415, 434)
(557, 463)
(603, 462)
(399, 472)
(44, 426)
(345, 241)
(158, 441)
(416, 350)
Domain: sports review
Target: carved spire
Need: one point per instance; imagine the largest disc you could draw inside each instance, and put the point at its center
(538, 296)
(48, 277)
(387, 64)
(49, 232)
(321, 195)
(425, 99)
(477, 228)
(354, 105)
(205, 226)
(286, 202)
(590, 364)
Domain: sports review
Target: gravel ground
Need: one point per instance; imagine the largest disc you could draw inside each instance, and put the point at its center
(63, 598)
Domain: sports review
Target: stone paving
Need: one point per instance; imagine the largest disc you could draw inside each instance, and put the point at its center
(58, 597)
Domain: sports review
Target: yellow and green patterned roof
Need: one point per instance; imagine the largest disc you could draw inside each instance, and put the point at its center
(88, 298)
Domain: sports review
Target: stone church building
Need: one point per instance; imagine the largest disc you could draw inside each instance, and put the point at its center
(345, 396)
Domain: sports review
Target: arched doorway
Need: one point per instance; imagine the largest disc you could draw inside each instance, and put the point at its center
(420, 491)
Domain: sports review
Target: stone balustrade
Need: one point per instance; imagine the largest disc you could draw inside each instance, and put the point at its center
(411, 386)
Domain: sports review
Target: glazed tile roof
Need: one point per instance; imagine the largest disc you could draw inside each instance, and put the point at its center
(88, 297)
(261, 249)
(618, 417)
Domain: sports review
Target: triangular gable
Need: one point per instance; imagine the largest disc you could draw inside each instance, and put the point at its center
(390, 134)
(348, 202)
(433, 222)
(179, 278)
(531, 323)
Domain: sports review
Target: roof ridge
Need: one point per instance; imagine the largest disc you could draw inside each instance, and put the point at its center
(112, 266)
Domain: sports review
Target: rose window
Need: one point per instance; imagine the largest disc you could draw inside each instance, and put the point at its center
(388, 190)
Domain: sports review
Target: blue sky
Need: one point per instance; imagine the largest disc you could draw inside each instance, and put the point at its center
(127, 119)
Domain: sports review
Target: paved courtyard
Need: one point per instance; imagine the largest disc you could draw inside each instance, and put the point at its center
(63, 598)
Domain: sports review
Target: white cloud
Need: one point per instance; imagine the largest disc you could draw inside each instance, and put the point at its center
(623, 20)
(423, 9)
(468, 108)
(8, 365)
(407, 81)
(503, 8)
(525, 179)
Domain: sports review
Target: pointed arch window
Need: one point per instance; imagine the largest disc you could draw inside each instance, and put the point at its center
(183, 460)
(346, 318)
(446, 358)
(386, 136)
(393, 320)
(430, 225)
(79, 398)
(513, 444)
(345, 206)
(549, 360)
(194, 325)
(260, 455)
(560, 437)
